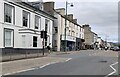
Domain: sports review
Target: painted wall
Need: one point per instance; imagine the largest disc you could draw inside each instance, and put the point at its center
(18, 39)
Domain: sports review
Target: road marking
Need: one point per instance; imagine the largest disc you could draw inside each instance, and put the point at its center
(68, 59)
(36, 68)
(114, 70)
(44, 65)
(19, 71)
(31, 68)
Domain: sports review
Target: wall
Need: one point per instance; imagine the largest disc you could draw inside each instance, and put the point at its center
(1, 24)
(88, 35)
(18, 26)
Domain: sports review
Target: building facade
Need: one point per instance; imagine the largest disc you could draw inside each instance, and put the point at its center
(21, 25)
(74, 32)
(101, 43)
(90, 37)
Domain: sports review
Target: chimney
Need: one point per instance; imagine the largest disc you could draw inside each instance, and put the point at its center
(70, 17)
(61, 11)
(75, 21)
(86, 25)
(37, 4)
(49, 7)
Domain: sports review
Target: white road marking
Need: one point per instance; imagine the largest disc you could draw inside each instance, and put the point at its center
(44, 65)
(114, 70)
(36, 68)
(19, 71)
(30, 69)
(68, 59)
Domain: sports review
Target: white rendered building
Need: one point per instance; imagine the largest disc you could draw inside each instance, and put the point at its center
(20, 25)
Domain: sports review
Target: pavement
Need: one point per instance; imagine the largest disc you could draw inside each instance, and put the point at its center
(11, 67)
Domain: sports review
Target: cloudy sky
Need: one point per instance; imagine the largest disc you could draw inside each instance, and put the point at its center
(102, 15)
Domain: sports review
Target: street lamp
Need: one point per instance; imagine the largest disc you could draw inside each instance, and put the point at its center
(71, 4)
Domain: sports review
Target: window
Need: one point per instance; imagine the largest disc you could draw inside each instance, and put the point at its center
(37, 22)
(9, 13)
(34, 41)
(26, 18)
(46, 25)
(69, 32)
(56, 29)
(8, 38)
(80, 36)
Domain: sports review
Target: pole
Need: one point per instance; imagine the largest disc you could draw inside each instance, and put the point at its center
(65, 45)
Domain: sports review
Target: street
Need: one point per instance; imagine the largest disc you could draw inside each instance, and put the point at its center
(88, 62)
(59, 38)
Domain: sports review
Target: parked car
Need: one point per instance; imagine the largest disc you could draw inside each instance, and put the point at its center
(106, 48)
(116, 48)
(112, 48)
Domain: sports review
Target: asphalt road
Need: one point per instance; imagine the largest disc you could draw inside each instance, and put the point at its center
(83, 63)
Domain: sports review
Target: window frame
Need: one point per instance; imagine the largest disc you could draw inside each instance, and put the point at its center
(12, 16)
(39, 26)
(12, 40)
(28, 20)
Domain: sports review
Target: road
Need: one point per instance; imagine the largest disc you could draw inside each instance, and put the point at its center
(89, 62)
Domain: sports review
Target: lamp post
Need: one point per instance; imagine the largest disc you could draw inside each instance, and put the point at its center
(65, 44)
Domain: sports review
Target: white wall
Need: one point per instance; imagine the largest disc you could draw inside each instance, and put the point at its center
(59, 25)
(18, 16)
(82, 33)
(18, 25)
(1, 21)
(1, 10)
(1, 36)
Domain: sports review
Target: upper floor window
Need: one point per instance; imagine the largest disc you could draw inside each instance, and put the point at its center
(37, 22)
(56, 29)
(80, 36)
(9, 13)
(46, 25)
(69, 32)
(26, 18)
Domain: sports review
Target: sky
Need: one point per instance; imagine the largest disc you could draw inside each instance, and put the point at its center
(101, 15)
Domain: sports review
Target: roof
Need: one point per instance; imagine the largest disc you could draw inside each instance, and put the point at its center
(94, 33)
(66, 18)
(33, 8)
(36, 9)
